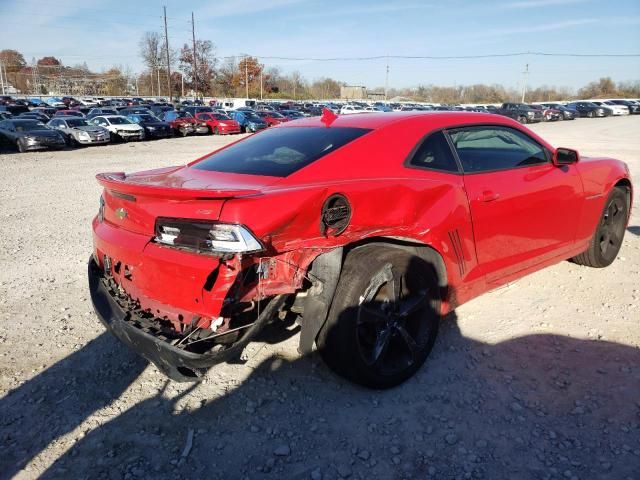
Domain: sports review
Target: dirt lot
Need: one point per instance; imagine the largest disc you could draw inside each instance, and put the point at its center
(540, 379)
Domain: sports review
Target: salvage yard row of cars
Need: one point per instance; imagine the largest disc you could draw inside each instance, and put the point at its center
(31, 124)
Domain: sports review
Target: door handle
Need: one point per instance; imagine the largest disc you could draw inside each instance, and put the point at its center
(488, 196)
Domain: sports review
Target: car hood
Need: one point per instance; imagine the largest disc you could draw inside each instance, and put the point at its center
(127, 126)
(186, 182)
(89, 128)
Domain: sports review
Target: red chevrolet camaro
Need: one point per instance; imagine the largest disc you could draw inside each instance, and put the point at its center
(365, 229)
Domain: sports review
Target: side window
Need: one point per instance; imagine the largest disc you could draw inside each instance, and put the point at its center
(483, 149)
(434, 153)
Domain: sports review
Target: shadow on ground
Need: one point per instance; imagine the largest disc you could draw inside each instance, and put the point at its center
(635, 229)
(539, 406)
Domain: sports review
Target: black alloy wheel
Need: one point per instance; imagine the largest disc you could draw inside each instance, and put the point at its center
(384, 317)
(607, 239)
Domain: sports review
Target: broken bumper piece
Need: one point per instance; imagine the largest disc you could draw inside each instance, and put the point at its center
(175, 362)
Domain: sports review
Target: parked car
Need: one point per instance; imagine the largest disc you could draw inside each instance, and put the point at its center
(249, 122)
(272, 117)
(350, 109)
(634, 107)
(193, 109)
(292, 114)
(121, 128)
(5, 115)
(548, 114)
(41, 117)
(48, 111)
(567, 113)
(153, 127)
(589, 109)
(132, 110)
(68, 113)
(616, 110)
(184, 124)
(94, 112)
(219, 123)
(295, 222)
(78, 131)
(521, 112)
(28, 134)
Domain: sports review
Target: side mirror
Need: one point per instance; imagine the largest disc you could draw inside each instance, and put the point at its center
(565, 156)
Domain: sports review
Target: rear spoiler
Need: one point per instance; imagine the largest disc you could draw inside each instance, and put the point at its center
(118, 183)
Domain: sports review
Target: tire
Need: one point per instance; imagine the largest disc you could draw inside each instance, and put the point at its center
(216, 131)
(20, 146)
(607, 239)
(522, 119)
(383, 321)
(591, 114)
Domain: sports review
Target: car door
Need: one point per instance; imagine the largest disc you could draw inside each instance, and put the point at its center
(524, 209)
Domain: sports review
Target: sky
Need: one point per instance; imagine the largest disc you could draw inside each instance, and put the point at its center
(104, 33)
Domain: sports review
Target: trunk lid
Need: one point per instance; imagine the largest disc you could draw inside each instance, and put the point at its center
(134, 202)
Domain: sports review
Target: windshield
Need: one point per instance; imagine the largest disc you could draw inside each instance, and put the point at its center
(119, 121)
(77, 122)
(279, 152)
(145, 117)
(220, 116)
(29, 126)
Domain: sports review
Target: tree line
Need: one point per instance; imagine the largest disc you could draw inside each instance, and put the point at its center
(245, 76)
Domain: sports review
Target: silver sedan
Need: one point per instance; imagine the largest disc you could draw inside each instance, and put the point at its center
(79, 132)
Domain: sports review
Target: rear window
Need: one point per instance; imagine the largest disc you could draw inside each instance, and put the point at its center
(279, 152)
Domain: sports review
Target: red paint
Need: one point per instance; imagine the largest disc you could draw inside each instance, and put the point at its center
(221, 126)
(489, 228)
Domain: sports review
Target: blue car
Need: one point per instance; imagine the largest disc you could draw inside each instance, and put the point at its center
(249, 121)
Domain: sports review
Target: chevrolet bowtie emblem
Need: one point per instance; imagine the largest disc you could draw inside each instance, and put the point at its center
(121, 213)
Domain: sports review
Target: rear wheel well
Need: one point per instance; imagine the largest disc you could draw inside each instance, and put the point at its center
(422, 250)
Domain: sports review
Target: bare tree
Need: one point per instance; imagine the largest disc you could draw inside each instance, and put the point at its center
(151, 53)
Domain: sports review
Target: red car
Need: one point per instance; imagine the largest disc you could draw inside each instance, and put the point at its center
(183, 123)
(365, 228)
(219, 123)
(272, 118)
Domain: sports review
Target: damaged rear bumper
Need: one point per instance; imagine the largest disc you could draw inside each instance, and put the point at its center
(176, 363)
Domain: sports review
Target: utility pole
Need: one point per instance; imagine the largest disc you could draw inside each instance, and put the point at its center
(195, 61)
(524, 81)
(182, 81)
(166, 47)
(260, 84)
(158, 72)
(386, 80)
(246, 77)
(137, 91)
(1, 78)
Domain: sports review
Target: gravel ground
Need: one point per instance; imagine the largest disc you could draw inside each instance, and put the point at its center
(539, 379)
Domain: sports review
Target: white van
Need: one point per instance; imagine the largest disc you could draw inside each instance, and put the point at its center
(236, 103)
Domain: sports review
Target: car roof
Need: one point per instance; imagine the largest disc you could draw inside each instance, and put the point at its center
(382, 119)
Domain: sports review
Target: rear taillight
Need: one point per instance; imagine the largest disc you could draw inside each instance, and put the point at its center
(205, 237)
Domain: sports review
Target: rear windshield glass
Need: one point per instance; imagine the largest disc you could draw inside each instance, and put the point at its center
(279, 152)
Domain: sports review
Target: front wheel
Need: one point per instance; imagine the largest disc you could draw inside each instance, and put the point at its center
(216, 131)
(384, 317)
(522, 119)
(607, 239)
(21, 146)
(591, 114)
